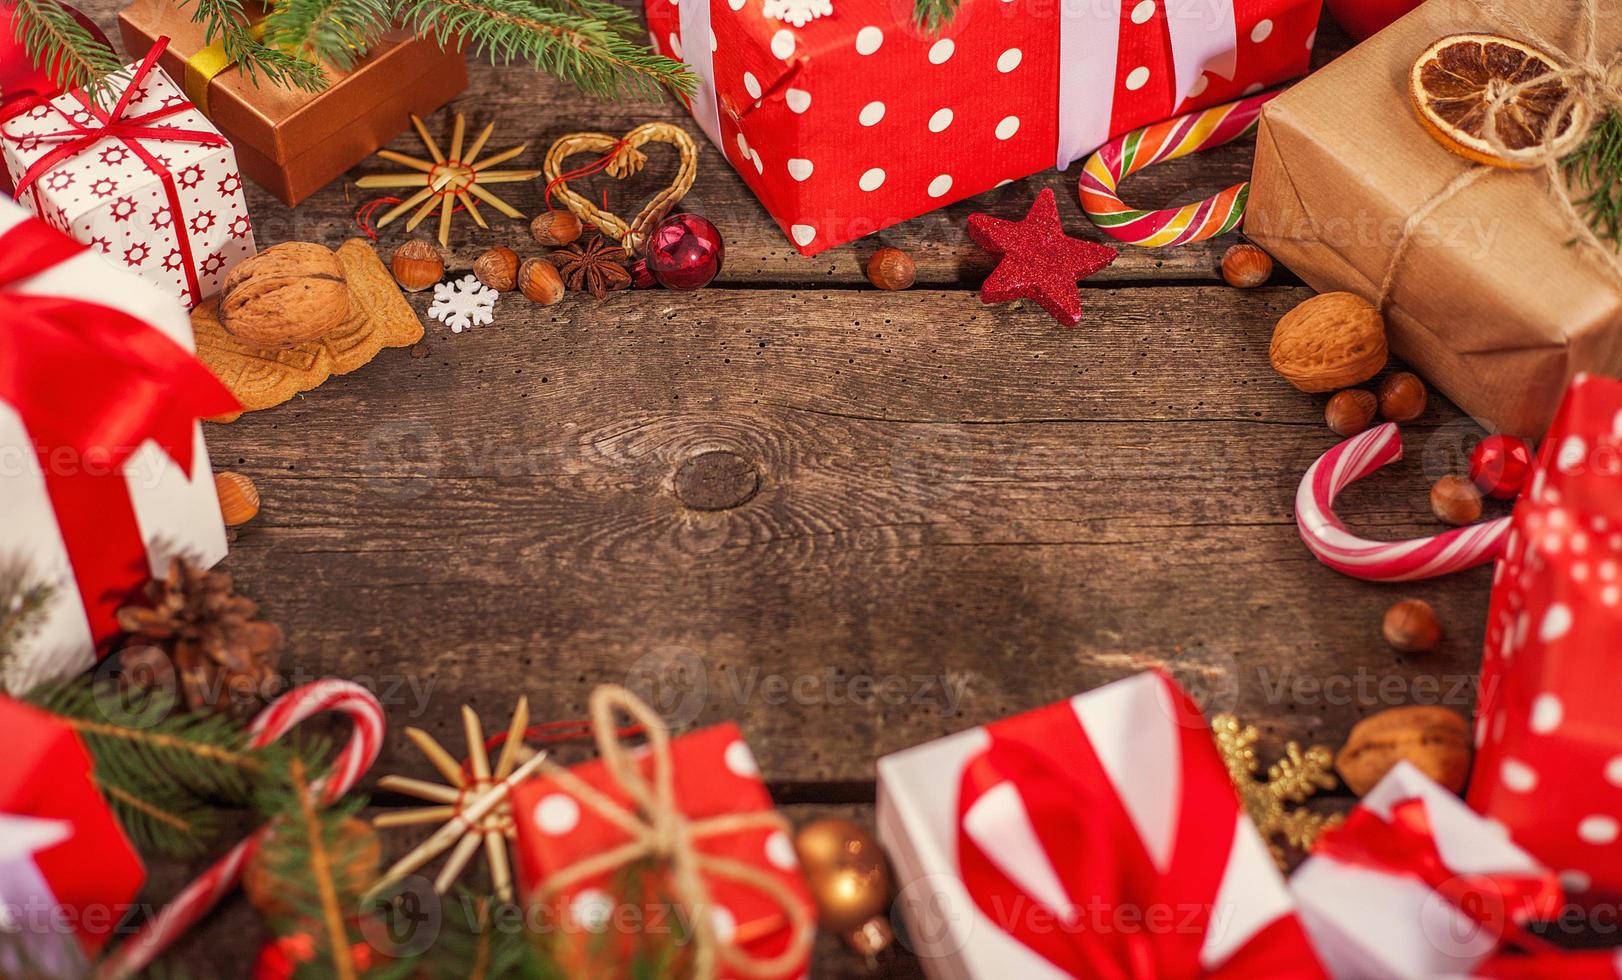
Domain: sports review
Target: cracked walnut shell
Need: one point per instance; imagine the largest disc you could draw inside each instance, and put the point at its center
(1332, 341)
(287, 295)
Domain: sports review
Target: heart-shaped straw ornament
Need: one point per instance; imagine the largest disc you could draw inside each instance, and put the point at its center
(621, 157)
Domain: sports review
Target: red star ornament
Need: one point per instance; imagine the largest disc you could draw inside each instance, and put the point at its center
(1037, 260)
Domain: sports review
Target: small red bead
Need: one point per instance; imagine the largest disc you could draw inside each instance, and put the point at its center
(1499, 465)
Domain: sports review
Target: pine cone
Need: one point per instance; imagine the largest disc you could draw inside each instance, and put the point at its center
(225, 657)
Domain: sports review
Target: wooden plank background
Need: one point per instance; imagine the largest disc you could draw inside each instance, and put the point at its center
(850, 521)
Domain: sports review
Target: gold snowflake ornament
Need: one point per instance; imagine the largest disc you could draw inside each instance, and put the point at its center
(448, 180)
(472, 806)
(1274, 804)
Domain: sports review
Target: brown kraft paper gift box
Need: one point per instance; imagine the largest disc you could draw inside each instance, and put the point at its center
(292, 142)
(1493, 302)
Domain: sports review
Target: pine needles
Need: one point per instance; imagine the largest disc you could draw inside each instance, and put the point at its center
(71, 56)
(227, 22)
(932, 15)
(335, 31)
(1596, 168)
(23, 601)
(164, 772)
(576, 40)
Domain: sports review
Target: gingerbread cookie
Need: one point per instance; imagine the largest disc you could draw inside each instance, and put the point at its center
(379, 317)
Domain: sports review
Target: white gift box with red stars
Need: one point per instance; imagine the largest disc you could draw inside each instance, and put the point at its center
(113, 200)
(844, 117)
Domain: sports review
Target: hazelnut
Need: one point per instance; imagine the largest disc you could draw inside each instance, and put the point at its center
(1246, 266)
(1331, 341)
(1350, 411)
(555, 228)
(417, 265)
(539, 281)
(891, 268)
(239, 498)
(1455, 500)
(497, 268)
(1410, 626)
(1402, 397)
(287, 295)
(1434, 739)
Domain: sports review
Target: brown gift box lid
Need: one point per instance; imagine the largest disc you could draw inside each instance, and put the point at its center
(296, 142)
(1492, 302)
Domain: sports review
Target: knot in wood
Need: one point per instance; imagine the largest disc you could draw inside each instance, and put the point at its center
(716, 480)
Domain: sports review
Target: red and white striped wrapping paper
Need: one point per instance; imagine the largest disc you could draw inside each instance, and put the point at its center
(1548, 732)
(857, 120)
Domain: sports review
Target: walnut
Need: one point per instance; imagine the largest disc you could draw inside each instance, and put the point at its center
(287, 295)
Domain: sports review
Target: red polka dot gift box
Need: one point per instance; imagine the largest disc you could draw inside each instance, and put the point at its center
(147, 182)
(675, 843)
(1548, 729)
(844, 117)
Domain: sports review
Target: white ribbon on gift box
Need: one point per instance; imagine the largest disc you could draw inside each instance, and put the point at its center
(27, 902)
(1204, 38)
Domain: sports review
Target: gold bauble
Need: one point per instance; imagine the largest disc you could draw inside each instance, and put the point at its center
(850, 880)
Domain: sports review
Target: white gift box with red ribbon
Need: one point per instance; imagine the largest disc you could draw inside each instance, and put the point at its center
(1080, 838)
(1368, 921)
(91, 531)
(150, 184)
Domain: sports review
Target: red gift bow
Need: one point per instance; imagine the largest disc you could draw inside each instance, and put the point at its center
(1406, 845)
(92, 384)
(130, 131)
(1085, 830)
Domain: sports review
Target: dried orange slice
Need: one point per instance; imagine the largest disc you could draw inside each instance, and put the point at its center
(1455, 81)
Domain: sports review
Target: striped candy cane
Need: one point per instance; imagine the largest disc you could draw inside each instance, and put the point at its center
(1379, 561)
(1126, 155)
(365, 741)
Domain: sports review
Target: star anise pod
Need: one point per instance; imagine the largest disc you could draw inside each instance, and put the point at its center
(596, 267)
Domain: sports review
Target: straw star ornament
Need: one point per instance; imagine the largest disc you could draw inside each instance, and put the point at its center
(472, 806)
(448, 180)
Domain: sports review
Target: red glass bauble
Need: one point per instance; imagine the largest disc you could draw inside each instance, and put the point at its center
(1365, 18)
(1499, 465)
(685, 251)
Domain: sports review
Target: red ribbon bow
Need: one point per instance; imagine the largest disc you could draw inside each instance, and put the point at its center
(1406, 845)
(75, 138)
(1127, 918)
(92, 384)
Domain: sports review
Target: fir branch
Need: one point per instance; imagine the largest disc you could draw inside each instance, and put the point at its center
(620, 19)
(163, 772)
(335, 31)
(592, 53)
(1596, 168)
(68, 53)
(316, 831)
(23, 602)
(227, 22)
(932, 15)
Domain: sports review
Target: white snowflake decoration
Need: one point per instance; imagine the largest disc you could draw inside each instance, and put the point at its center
(465, 303)
(798, 12)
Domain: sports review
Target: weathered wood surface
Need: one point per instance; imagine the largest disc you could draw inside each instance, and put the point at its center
(850, 521)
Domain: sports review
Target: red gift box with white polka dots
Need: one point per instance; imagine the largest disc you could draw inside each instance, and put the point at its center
(714, 775)
(1548, 732)
(111, 199)
(844, 117)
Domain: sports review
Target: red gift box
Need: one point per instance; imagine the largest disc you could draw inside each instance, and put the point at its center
(1549, 736)
(91, 873)
(714, 783)
(856, 120)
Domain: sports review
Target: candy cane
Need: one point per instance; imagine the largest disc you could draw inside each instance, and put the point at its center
(1126, 155)
(365, 740)
(1379, 561)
